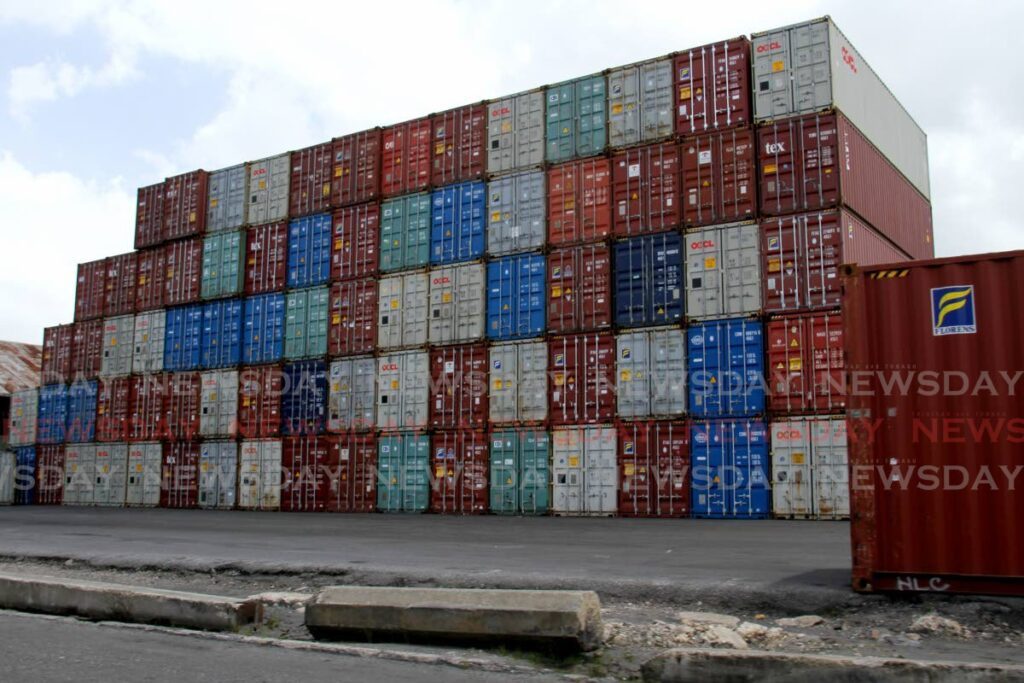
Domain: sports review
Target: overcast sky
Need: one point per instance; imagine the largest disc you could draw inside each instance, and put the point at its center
(98, 98)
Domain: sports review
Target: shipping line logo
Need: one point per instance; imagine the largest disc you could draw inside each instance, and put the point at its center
(953, 310)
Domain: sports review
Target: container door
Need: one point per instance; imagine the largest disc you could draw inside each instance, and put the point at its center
(415, 297)
(773, 90)
(136, 475)
(417, 480)
(389, 312)
(101, 493)
(667, 372)
(812, 73)
(443, 302)
(415, 388)
(504, 392)
(741, 256)
(532, 388)
(634, 388)
(533, 478)
(656, 97)
(209, 473)
(624, 106)
(8, 464)
(227, 475)
(831, 468)
(567, 471)
(118, 475)
(505, 485)
(561, 126)
(791, 468)
(152, 479)
(417, 231)
(470, 303)
(501, 216)
(590, 113)
(500, 136)
(249, 483)
(339, 398)
(297, 309)
(529, 130)
(389, 472)
(270, 473)
(601, 475)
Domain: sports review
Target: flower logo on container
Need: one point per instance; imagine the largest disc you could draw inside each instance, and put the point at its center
(953, 310)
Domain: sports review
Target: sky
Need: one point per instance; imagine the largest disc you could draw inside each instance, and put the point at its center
(100, 97)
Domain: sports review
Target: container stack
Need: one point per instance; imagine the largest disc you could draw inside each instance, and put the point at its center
(612, 295)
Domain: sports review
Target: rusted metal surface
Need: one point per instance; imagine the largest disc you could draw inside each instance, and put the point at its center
(20, 365)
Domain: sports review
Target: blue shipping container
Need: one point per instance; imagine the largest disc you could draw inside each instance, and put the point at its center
(183, 337)
(516, 292)
(730, 468)
(82, 412)
(458, 223)
(304, 403)
(53, 414)
(263, 333)
(649, 280)
(725, 368)
(25, 475)
(309, 251)
(222, 334)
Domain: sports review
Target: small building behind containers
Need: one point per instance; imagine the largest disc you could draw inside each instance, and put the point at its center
(640, 103)
(810, 468)
(726, 368)
(404, 478)
(405, 228)
(304, 402)
(268, 193)
(460, 472)
(584, 471)
(458, 224)
(263, 332)
(403, 390)
(227, 201)
(352, 327)
(649, 280)
(458, 305)
(518, 374)
(352, 394)
(403, 301)
(723, 271)
(730, 469)
(576, 124)
(519, 478)
(516, 213)
(651, 367)
(357, 168)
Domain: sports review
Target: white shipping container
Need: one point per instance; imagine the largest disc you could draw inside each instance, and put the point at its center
(269, 182)
(145, 465)
(810, 468)
(148, 349)
(352, 394)
(8, 468)
(458, 307)
(515, 132)
(218, 404)
(723, 271)
(24, 417)
(218, 475)
(519, 382)
(259, 475)
(118, 346)
(640, 103)
(517, 207)
(111, 474)
(651, 373)
(402, 311)
(403, 386)
(585, 471)
(79, 473)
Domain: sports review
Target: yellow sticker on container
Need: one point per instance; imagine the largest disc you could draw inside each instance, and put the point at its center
(113, 341)
(769, 169)
(394, 304)
(684, 93)
(778, 65)
(263, 184)
(439, 471)
(394, 385)
(495, 216)
(335, 319)
(626, 376)
(559, 379)
(629, 469)
(497, 385)
(337, 171)
(205, 466)
(774, 265)
(446, 297)
(326, 189)
(795, 364)
(213, 203)
(797, 458)
(439, 148)
(616, 108)
(170, 272)
(556, 292)
(506, 126)
(574, 461)
(142, 280)
(138, 468)
(192, 217)
(710, 263)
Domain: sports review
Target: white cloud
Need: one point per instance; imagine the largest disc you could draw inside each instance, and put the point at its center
(49, 81)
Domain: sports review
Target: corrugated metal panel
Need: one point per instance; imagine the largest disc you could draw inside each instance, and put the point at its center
(218, 475)
(24, 417)
(266, 261)
(149, 338)
(457, 221)
(118, 338)
(520, 481)
(223, 273)
(654, 469)
(259, 475)
(649, 280)
(516, 293)
(268, 189)
(149, 216)
(8, 474)
(354, 458)
(712, 86)
(183, 338)
(56, 358)
(405, 157)
(180, 484)
(810, 469)
(183, 398)
(145, 464)
(152, 279)
(87, 349)
(457, 304)
(304, 403)
(458, 386)
(519, 382)
(459, 144)
(311, 177)
(725, 368)
(222, 334)
(719, 177)
(517, 213)
(652, 373)
(146, 417)
(305, 468)
(185, 205)
(309, 251)
(25, 463)
(184, 262)
(730, 475)
(580, 202)
(645, 184)
(515, 132)
(353, 323)
(218, 404)
(460, 462)
(582, 370)
(263, 338)
(90, 293)
(53, 414)
(119, 295)
(640, 103)
(50, 468)
(353, 394)
(723, 271)
(805, 359)
(579, 288)
(584, 471)
(79, 473)
(113, 409)
(306, 323)
(20, 365)
(226, 206)
(404, 482)
(356, 239)
(403, 390)
(111, 475)
(402, 311)
(405, 233)
(259, 401)
(576, 125)
(357, 163)
(81, 421)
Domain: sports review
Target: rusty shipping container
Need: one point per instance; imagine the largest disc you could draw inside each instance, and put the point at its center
(305, 474)
(719, 177)
(147, 405)
(458, 386)
(184, 271)
(310, 184)
(151, 271)
(806, 369)
(645, 188)
(149, 216)
(459, 145)
(185, 205)
(259, 401)
(356, 237)
(405, 157)
(654, 469)
(184, 405)
(356, 176)
(712, 87)
(579, 288)
(353, 318)
(119, 284)
(87, 349)
(460, 467)
(49, 475)
(57, 345)
(952, 525)
(352, 462)
(179, 487)
(580, 202)
(91, 290)
(582, 385)
(266, 258)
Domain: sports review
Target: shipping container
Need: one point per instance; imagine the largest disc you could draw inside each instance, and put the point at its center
(575, 123)
(460, 467)
(458, 387)
(87, 349)
(145, 469)
(227, 201)
(50, 467)
(654, 469)
(268, 189)
(149, 339)
(114, 409)
(645, 188)
(651, 366)
(306, 323)
(405, 157)
(185, 199)
(312, 173)
(259, 401)
(305, 474)
(519, 383)
(719, 177)
(119, 284)
(218, 475)
(352, 471)
(811, 66)
(52, 421)
(582, 371)
(111, 475)
(179, 487)
(712, 85)
(402, 311)
(353, 317)
(352, 394)
(458, 223)
(304, 402)
(91, 290)
(81, 420)
(820, 161)
(404, 479)
(649, 280)
(218, 404)
(184, 263)
(725, 368)
(183, 398)
(8, 476)
(56, 362)
(118, 346)
(149, 216)
(183, 338)
(151, 286)
(802, 255)
(459, 144)
(222, 334)
(259, 475)
(79, 474)
(640, 105)
(723, 271)
(24, 420)
(356, 237)
(405, 232)
(266, 260)
(810, 469)
(27, 482)
(516, 213)
(223, 273)
(516, 292)
(584, 471)
(403, 390)
(807, 372)
(579, 295)
(580, 202)
(357, 159)
(457, 304)
(263, 335)
(519, 478)
(309, 251)
(147, 407)
(515, 132)
(730, 474)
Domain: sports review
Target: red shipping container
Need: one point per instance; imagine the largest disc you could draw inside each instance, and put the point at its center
(654, 469)
(113, 409)
(49, 475)
(147, 405)
(180, 485)
(712, 85)
(719, 177)
(460, 145)
(579, 288)
(259, 401)
(821, 161)
(310, 188)
(582, 371)
(57, 345)
(353, 317)
(458, 386)
(580, 202)
(149, 216)
(805, 364)
(356, 240)
(405, 157)
(952, 521)
(305, 475)
(645, 183)
(802, 254)
(461, 466)
(87, 350)
(121, 280)
(184, 269)
(90, 292)
(185, 202)
(152, 279)
(183, 405)
(352, 463)
(356, 176)
(266, 258)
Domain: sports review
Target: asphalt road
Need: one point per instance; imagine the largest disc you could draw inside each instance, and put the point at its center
(793, 565)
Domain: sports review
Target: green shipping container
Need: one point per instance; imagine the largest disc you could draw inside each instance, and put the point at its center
(405, 233)
(223, 274)
(577, 124)
(403, 472)
(305, 330)
(519, 472)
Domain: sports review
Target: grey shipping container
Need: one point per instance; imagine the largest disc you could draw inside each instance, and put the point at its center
(402, 311)
(118, 346)
(259, 475)
(148, 349)
(723, 271)
(651, 373)
(810, 475)
(811, 67)
(305, 328)
(585, 473)
(218, 404)
(458, 307)
(515, 132)
(226, 206)
(111, 475)
(519, 382)
(269, 181)
(8, 465)
(640, 105)
(403, 386)
(218, 474)
(517, 213)
(352, 394)
(223, 272)
(24, 417)
(79, 473)
(145, 465)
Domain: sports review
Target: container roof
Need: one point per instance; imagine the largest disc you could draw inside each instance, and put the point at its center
(20, 365)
